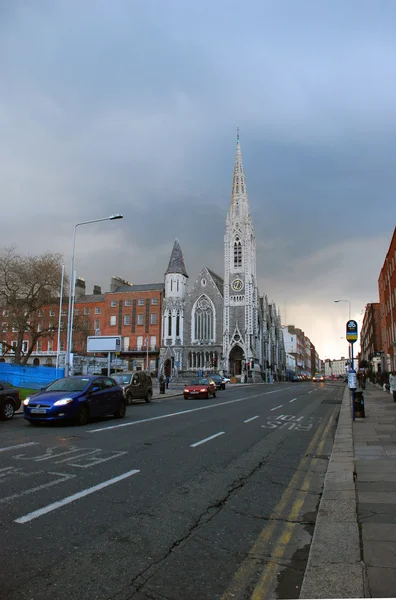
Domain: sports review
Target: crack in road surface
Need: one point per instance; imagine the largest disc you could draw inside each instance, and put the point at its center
(142, 578)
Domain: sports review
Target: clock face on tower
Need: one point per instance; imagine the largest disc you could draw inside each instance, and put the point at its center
(237, 285)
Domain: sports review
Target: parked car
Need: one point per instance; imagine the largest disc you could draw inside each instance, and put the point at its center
(10, 401)
(318, 377)
(219, 381)
(136, 385)
(76, 398)
(226, 379)
(202, 387)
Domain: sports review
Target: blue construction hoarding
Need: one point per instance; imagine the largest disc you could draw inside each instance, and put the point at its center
(28, 376)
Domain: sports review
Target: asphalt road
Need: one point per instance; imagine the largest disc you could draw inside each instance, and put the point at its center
(182, 500)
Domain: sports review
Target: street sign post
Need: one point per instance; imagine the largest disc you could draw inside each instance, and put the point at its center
(352, 336)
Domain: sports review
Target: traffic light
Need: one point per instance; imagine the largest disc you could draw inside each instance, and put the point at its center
(248, 366)
(214, 360)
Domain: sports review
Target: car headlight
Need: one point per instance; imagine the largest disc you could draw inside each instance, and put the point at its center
(26, 401)
(63, 401)
(186, 390)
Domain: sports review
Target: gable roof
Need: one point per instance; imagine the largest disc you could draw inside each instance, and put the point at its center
(219, 281)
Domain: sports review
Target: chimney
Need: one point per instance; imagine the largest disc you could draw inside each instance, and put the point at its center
(117, 282)
(97, 290)
(80, 287)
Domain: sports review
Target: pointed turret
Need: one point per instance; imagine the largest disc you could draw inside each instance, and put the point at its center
(176, 261)
(239, 196)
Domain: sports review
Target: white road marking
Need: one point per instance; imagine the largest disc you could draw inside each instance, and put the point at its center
(276, 407)
(310, 392)
(182, 412)
(294, 399)
(62, 477)
(18, 446)
(55, 505)
(207, 439)
(251, 419)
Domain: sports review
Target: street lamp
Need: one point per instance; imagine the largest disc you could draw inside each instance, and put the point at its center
(71, 289)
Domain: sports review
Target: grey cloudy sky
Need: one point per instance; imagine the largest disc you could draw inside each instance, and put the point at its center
(132, 105)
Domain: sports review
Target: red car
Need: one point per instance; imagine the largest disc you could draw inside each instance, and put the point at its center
(202, 387)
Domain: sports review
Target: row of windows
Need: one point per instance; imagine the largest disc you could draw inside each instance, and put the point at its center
(86, 310)
(128, 302)
(127, 320)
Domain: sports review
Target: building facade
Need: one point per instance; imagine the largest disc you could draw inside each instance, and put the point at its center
(220, 322)
(370, 333)
(387, 297)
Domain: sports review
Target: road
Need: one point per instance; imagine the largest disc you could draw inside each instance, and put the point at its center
(182, 500)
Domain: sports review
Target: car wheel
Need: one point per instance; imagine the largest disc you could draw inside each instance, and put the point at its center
(223, 387)
(186, 397)
(129, 398)
(7, 410)
(120, 413)
(82, 417)
(149, 396)
(214, 394)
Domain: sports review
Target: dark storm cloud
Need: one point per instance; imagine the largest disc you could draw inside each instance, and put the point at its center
(132, 107)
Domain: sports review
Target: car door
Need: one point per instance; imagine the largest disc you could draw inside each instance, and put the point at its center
(136, 386)
(97, 398)
(113, 394)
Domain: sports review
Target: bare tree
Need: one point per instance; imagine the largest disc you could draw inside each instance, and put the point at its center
(27, 285)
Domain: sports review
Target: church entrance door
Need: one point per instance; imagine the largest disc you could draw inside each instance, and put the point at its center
(168, 367)
(235, 361)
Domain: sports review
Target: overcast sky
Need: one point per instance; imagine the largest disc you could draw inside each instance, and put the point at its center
(132, 106)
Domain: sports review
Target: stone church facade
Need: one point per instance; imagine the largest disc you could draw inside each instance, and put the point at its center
(222, 323)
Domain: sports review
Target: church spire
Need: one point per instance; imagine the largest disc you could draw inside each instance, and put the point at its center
(176, 261)
(239, 197)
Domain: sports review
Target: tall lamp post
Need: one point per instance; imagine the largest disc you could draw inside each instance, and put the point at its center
(72, 287)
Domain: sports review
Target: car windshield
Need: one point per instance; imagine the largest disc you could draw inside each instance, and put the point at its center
(215, 377)
(123, 378)
(68, 384)
(200, 381)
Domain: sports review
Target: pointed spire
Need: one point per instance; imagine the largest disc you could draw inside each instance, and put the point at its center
(176, 261)
(239, 197)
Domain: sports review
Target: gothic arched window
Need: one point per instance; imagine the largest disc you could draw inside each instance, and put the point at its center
(203, 319)
(169, 324)
(178, 324)
(237, 252)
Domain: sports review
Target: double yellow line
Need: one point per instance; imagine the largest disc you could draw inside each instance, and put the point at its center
(243, 577)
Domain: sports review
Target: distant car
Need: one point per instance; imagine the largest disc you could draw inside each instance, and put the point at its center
(76, 398)
(10, 401)
(201, 387)
(219, 381)
(136, 385)
(226, 379)
(318, 377)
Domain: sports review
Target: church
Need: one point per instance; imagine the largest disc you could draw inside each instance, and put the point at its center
(221, 322)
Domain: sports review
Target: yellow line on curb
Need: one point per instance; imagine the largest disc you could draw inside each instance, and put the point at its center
(246, 570)
(261, 590)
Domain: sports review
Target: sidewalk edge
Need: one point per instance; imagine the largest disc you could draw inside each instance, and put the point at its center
(336, 532)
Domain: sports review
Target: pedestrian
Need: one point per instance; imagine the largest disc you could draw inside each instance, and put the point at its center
(392, 384)
(167, 382)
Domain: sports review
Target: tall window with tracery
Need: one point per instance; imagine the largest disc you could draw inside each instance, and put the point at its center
(237, 252)
(169, 324)
(178, 324)
(204, 320)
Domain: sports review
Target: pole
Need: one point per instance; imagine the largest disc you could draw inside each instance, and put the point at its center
(72, 311)
(71, 287)
(60, 317)
(352, 391)
(108, 364)
(147, 349)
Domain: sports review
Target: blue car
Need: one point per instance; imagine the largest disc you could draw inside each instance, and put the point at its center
(76, 398)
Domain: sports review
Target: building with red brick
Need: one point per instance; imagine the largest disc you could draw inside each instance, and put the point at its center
(370, 334)
(130, 311)
(387, 296)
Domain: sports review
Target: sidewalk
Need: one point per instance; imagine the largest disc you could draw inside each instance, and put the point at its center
(353, 550)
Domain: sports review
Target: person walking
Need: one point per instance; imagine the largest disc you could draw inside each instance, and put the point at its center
(392, 384)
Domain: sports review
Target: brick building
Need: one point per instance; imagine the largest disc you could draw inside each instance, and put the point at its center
(387, 296)
(370, 334)
(131, 311)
